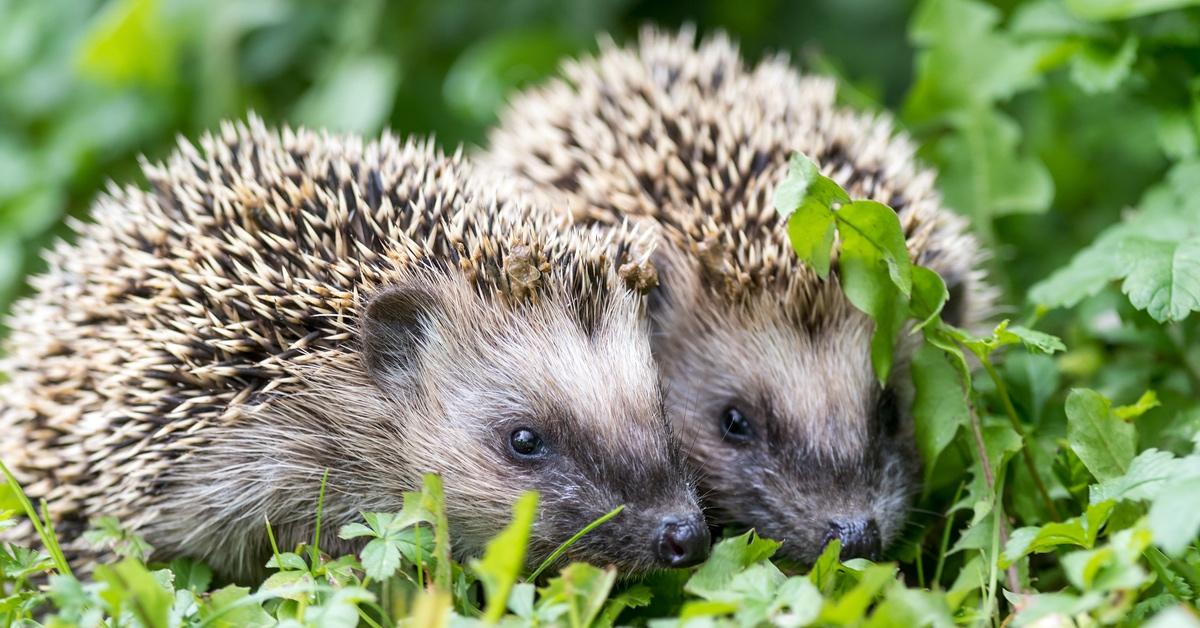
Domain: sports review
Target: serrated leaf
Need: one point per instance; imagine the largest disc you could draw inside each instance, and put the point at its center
(1174, 517)
(1149, 474)
(1036, 340)
(1104, 442)
(380, 559)
(1163, 277)
(729, 557)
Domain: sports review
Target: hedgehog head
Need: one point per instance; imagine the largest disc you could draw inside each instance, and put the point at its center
(548, 385)
(776, 399)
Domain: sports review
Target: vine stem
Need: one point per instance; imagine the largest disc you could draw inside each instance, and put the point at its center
(1026, 453)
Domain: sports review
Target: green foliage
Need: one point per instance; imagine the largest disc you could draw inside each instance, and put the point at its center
(1057, 488)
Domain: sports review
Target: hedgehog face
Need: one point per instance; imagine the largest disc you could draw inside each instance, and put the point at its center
(505, 398)
(788, 426)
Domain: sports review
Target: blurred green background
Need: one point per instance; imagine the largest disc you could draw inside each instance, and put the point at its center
(1046, 117)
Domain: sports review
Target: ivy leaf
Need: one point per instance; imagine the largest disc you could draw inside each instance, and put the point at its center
(1163, 278)
(1104, 442)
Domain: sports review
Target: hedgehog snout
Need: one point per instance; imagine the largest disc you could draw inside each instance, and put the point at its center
(859, 536)
(682, 541)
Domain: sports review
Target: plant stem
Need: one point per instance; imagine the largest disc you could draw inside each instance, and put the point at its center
(997, 507)
(941, 561)
(571, 541)
(1026, 453)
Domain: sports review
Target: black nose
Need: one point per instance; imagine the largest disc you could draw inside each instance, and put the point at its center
(682, 541)
(859, 537)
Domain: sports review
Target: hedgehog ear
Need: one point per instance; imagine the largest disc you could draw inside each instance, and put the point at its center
(394, 329)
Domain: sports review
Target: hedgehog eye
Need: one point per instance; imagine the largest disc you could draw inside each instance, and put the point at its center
(735, 426)
(526, 443)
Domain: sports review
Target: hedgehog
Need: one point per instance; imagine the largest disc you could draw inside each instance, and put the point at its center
(767, 366)
(282, 306)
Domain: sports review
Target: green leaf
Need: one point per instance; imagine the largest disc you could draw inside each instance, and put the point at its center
(1163, 277)
(1174, 517)
(810, 230)
(355, 95)
(288, 561)
(1096, 69)
(807, 199)
(486, 72)
(380, 559)
(871, 226)
(191, 575)
(227, 608)
(912, 607)
(131, 41)
(1104, 442)
(1036, 340)
(876, 274)
(985, 175)
(730, 557)
(929, 296)
(340, 610)
(1148, 477)
(1122, 9)
(852, 606)
(940, 407)
(1147, 402)
(1080, 531)
(132, 587)
(805, 185)
(583, 588)
(504, 557)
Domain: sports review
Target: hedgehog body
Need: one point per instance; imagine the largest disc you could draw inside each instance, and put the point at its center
(276, 306)
(767, 366)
